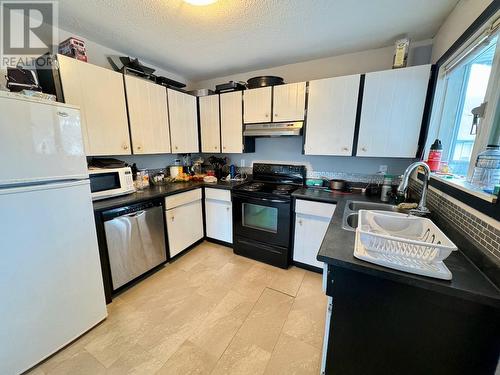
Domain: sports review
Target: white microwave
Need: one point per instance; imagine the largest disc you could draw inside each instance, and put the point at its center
(110, 182)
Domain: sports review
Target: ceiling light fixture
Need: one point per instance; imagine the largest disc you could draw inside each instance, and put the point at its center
(200, 2)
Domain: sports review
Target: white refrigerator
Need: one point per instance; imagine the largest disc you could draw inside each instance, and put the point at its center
(51, 288)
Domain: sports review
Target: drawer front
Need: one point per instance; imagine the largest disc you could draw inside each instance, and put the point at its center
(314, 208)
(218, 194)
(182, 198)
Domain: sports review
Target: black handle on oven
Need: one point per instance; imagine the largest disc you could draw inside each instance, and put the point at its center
(260, 199)
(272, 200)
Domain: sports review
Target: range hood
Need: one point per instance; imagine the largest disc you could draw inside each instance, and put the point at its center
(273, 129)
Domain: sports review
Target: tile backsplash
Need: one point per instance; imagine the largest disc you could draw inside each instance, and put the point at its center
(482, 234)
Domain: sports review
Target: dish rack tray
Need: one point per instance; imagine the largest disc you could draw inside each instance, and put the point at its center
(403, 236)
(435, 269)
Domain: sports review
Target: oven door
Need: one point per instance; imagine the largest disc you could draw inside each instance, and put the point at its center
(264, 219)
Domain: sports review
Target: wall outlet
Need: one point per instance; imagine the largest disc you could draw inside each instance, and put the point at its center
(382, 169)
(242, 163)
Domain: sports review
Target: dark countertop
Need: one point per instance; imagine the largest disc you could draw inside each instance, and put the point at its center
(338, 245)
(158, 192)
(468, 281)
(322, 195)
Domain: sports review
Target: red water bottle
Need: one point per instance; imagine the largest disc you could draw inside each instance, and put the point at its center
(435, 153)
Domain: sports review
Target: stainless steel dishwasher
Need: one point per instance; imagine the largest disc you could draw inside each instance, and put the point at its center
(135, 238)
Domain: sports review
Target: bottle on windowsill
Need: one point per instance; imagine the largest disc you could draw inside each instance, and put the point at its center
(435, 153)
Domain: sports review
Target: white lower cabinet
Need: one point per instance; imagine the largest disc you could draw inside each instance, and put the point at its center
(219, 214)
(311, 222)
(184, 218)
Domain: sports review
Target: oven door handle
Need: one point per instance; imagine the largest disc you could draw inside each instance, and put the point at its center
(263, 199)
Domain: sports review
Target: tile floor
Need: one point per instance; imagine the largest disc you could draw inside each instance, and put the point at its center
(209, 312)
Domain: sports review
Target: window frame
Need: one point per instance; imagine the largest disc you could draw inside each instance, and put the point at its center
(449, 62)
(490, 206)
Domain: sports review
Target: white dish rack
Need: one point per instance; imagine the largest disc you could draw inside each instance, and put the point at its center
(406, 243)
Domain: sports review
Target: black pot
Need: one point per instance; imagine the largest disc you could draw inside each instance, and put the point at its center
(264, 81)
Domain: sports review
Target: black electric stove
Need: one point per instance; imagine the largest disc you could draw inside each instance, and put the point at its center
(262, 213)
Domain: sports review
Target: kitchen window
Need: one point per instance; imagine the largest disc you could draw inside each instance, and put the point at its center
(465, 114)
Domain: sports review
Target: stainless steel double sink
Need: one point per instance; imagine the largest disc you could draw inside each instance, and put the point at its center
(350, 217)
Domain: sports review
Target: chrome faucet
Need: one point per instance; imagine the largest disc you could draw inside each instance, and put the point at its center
(421, 210)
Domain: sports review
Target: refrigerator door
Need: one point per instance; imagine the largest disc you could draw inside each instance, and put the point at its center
(39, 142)
(51, 288)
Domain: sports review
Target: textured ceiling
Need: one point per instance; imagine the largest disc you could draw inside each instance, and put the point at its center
(233, 36)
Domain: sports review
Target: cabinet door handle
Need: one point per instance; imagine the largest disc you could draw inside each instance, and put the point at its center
(139, 147)
(176, 147)
(267, 115)
(215, 147)
(300, 222)
(345, 149)
(275, 115)
(125, 147)
(227, 208)
(62, 114)
(172, 219)
(363, 148)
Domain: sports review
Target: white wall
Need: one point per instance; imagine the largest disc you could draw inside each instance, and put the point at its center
(462, 16)
(352, 63)
(289, 149)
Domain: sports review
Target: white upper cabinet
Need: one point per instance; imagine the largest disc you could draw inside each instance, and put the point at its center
(331, 116)
(210, 123)
(100, 94)
(257, 105)
(231, 122)
(148, 116)
(391, 114)
(183, 122)
(289, 102)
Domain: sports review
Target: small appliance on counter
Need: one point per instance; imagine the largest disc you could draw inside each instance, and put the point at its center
(262, 213)
(110, 182)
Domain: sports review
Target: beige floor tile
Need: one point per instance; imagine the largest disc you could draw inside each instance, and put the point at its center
(306, 320)
(288, 281)
(164, 336)
(307, 325)
(312, 284)
(72, 350)
(293, 357)
(265, 321)
(80, 364)
(35, 371)
(219, 328)
(135, 361)
(242, 358)
(189, 359)
(253, 282)
(209, 310)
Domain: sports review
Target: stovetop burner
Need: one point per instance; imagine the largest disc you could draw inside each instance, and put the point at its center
(269, 188)
(252, 186)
